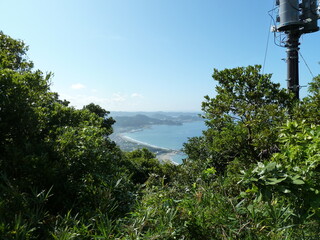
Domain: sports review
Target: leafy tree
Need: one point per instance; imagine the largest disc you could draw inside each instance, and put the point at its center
(107, 122)
(13, 54)
(308, 108)
(241, 118)
(276, 197)
(61, 177)
(53, 150)
(142, 163)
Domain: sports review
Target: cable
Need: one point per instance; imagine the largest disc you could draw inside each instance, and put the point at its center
(306, 64)
(276, 38)
(267, 46)
(270, 12)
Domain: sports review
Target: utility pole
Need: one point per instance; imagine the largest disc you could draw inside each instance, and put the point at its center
(292, 45)
(296, 17)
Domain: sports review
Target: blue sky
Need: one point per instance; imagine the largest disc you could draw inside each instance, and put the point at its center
(148, 55)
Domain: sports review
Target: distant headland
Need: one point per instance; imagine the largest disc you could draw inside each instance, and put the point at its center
(138, 121)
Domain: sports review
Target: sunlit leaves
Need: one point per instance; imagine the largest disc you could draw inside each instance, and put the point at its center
(243, 116)
(13, 54)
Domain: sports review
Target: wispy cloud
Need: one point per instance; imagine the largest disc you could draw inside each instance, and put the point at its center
(78, 86)
(116, 101)
(136, 95)
(117, 97)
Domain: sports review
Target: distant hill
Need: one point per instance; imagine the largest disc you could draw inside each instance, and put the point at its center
(155, 114)
(140, 120)
(129, 120)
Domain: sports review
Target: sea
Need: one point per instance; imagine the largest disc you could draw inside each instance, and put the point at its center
(169, 136)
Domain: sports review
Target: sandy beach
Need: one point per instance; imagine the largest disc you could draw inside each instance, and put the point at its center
(129, 144)
(129, 139)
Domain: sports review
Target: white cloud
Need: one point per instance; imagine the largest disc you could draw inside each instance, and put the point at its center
(78, 86)
(117, 97)
(114, 102)
(136, 95)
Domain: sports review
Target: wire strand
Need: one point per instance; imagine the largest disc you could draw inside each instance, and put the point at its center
(267, 47)
(306, 64)
(268, 39)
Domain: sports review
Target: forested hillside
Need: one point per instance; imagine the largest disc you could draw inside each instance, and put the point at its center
(253, 174)
(141, 121)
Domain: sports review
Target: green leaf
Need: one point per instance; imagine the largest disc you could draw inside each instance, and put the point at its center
(274, 181)
(298, 182)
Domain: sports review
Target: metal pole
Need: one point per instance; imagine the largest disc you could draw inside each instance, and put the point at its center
(292, 45)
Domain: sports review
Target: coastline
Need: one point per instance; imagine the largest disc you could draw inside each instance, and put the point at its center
(127, 143)
(130, 139)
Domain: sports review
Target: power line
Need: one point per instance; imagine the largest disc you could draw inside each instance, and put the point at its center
(267, 46)
(306, 64)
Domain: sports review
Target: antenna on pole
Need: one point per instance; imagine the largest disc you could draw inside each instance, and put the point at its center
(296, 17)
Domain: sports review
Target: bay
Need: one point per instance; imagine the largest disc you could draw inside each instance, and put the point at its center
(169, 136)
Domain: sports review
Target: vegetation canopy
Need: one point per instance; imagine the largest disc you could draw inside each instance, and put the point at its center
(253, 174)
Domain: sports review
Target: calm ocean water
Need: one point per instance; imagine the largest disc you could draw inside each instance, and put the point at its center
(172, 137)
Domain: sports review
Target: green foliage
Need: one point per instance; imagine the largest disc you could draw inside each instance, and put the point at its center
(102, 113)
(155, 217)
(275, 196)
(241, 118)
(308, 109)
(292, 174)
(73, 227)
(13, 54)
(52, 147)
(142, 163)
(207, 211)
(23, 215)
(252, 175)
